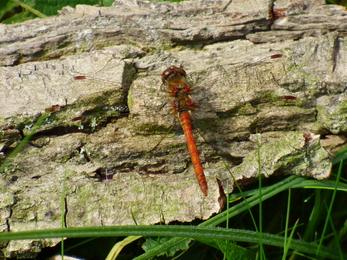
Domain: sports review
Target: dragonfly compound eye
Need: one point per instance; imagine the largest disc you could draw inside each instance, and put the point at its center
(171, 72)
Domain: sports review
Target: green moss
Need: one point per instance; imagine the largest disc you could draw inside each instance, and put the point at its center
(207, 124)
(333, 119)
(94, 108)
(243, 109)
(343, 107)
(131, 43)
(64, 45)
(178, 145)
(64, 158)
(150, 129)
(166, 46)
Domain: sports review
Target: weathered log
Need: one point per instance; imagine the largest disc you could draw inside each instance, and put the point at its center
(111, 170)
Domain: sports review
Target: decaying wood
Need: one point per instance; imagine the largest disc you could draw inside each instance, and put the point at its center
(110, 167)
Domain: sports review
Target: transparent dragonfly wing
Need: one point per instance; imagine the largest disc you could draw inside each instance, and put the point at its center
(240, 99)
(216, 90)
(91, 93)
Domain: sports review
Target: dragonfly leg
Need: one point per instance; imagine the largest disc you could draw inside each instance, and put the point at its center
(162, 138)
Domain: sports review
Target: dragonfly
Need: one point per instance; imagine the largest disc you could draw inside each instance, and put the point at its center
(179, 91)
(175, 83)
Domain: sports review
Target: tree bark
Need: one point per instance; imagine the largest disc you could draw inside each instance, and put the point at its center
(111, 170)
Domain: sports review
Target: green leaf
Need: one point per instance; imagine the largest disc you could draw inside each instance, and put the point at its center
(233, 251)
(154, 242)
(340, 155)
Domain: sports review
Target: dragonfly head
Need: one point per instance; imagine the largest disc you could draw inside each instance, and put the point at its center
(173, 72)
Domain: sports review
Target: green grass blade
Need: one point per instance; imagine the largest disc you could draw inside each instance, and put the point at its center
(330, 207)
(290, 239)
(30, 9)
(323, 184)
(340, 155)
(286, 228)
(175, 231)
(23, 142)
(267, 193)
(261, 248)
(117, 248)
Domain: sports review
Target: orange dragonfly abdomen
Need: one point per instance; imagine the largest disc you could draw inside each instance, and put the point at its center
(194, 154)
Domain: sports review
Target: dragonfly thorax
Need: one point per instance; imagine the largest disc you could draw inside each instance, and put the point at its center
(182, 104)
